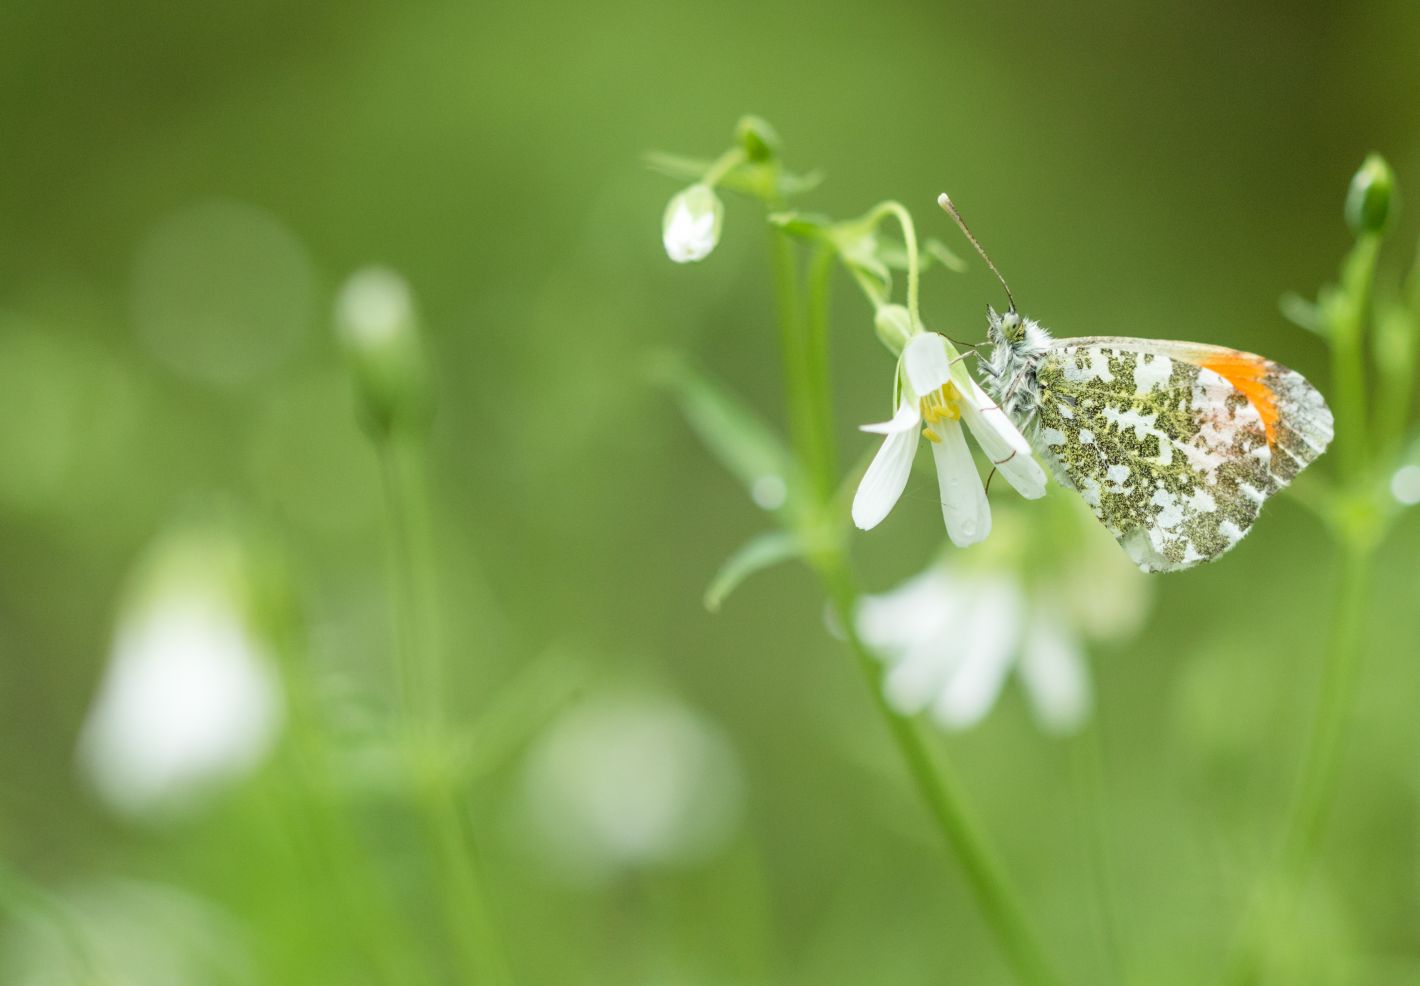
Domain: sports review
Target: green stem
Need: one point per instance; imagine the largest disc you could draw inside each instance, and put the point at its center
(1348, 361)
(909, 239)
(476, 944)
(819, 403)
(731, 159)
(324, 818)
(791, 343)
(1088, 761)
(938, 787)
(945, 799)
(1320, 772)
(415, 582)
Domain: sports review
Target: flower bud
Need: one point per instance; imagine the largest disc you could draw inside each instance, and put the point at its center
(1370, 203)
(378, 329)
(691, 226)
(190, 701)
(893, 324)
(759, 140)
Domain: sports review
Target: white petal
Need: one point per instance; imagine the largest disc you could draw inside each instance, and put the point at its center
(907, 418)
(964, 506)
(920, 609)
(988, 641)
(1003, 443)
(1055, 675)
(885, 479)
(916, 680)
(926, 364)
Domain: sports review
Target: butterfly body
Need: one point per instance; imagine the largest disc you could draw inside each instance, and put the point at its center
(1175, 446)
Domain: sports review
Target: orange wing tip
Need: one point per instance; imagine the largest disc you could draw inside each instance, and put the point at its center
(1246, 372)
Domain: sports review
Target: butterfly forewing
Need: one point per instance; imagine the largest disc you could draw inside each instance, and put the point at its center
(1174, 446)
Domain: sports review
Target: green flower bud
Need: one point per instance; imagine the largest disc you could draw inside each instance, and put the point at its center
(759, 140)
(1370, 203)
(378, 329)
(893, 324)
(691, 225)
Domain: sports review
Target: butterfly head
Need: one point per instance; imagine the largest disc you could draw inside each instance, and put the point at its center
(1014, 337)
(1004, 329)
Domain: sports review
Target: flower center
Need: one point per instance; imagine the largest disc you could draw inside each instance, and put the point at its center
(941, 405)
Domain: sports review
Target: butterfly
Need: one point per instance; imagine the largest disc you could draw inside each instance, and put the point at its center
(1174, 446)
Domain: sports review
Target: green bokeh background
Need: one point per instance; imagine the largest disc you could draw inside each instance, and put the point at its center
(1164, 169)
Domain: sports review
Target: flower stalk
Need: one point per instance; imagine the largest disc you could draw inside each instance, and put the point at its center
(804, 344)
(379, 330)
(1357, 513)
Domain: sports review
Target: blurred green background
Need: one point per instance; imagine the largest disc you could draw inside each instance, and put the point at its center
(184, 186)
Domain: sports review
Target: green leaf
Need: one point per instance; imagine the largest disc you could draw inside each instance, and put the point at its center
(760, 552)
(734, 434)
(519, 711)
(803, 225)
(747, 179)
(942, 254)
(1299, 311)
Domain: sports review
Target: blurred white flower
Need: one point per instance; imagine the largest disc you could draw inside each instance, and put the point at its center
(1405, 485)
(627, 779)
(690, 227)
(925, 390)
(190, 699)
(122, 933)
(951, 634)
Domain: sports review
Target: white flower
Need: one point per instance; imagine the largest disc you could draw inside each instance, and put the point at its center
(951, 634)
(189, 701)
(691, 225)
(928, 392)
(630, 778)
(950, 641)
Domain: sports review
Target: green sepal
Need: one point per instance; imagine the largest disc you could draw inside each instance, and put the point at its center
(733, 433)
(756, 179)
(760, 552)
(934, 252)
(1302, 313)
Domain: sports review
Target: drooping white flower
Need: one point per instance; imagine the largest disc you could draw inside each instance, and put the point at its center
(691, 225)
(190, 700)
(927, 391)
(630, 778)
(952, 634)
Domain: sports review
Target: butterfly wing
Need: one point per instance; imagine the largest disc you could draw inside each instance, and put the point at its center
(1175, 446)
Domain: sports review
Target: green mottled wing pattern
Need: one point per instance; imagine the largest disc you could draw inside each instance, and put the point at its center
(1173, 458)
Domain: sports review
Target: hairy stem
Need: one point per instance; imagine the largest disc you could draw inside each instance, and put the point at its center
(477, 948)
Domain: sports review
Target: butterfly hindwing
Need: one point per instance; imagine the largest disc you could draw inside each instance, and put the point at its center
(1174, 446)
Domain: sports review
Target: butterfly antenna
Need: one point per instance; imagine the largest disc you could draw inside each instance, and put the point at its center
(946, 203)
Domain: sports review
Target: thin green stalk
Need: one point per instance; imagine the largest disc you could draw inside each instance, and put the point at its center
(937, 786)
(1320, 772)
(942, 792)
(1348, 360)
(477, 947)
(1088, 760)
(418, 674)
(786, 299)
(818, 400)
(325, 821)
(909, 239)
(1354, 525)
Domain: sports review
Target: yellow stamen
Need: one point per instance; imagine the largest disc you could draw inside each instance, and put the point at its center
(942, 405)
(930, 435)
